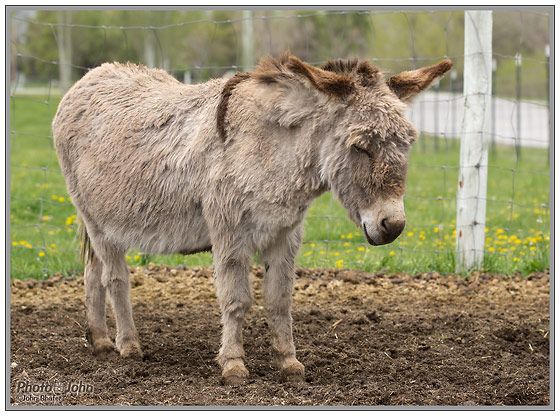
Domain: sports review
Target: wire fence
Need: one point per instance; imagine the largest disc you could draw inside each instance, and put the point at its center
(50, 50)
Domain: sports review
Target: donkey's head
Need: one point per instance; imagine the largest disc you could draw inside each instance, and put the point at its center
(364, 156)
(368, 161)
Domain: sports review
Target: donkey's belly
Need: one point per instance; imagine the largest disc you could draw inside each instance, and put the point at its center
(185, 234)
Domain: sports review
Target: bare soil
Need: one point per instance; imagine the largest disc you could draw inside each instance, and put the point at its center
(365, 339)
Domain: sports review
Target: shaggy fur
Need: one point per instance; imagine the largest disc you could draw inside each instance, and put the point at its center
(231, 166)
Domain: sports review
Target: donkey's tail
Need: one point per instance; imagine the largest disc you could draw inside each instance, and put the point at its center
(86, 250)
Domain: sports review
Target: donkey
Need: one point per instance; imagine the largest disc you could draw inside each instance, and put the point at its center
(232, 166)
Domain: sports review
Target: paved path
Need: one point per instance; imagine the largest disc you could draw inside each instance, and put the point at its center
(442, 113)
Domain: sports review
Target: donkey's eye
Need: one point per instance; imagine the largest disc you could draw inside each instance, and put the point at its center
(361, 150)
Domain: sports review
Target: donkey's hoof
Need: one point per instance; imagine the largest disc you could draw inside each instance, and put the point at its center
(292, 371)
(131, 350)
(103, 347)
(234, 373)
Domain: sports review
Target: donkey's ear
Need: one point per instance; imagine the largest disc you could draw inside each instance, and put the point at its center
(283, 69)
(408, 84)
(327, 82)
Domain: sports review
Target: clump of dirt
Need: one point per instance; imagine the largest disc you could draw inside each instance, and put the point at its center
(365, 339)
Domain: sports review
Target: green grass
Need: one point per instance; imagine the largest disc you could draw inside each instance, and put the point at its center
(43, 228)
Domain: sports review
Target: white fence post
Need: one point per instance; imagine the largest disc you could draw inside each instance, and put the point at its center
(473, 170)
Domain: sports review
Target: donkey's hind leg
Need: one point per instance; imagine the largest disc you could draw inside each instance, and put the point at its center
(95, 307)
(115, 278)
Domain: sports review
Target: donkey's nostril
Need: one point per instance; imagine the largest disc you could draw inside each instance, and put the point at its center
(384, 224)
(391, 228)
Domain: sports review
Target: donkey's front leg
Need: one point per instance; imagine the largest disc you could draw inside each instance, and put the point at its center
(277, 293)
(235, 298)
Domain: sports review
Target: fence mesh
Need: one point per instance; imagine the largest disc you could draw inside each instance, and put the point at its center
(52, 49)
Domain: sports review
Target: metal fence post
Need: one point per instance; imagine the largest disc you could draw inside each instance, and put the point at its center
(493, 138)
(248, 40)
(65, 49)
(436, 117)
(518, 102)
(473, 170)
(547, 63)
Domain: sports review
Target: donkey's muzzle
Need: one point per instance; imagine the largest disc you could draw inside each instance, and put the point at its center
(387, 231)
(391, 229)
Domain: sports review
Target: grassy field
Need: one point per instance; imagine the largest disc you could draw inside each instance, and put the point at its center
(43, 221)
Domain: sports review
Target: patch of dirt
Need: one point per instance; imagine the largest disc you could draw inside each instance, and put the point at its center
(365, 339)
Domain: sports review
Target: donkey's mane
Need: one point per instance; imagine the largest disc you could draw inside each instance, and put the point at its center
(336, 78)
(366, 73)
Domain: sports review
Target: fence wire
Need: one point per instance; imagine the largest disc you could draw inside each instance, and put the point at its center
(197, 45)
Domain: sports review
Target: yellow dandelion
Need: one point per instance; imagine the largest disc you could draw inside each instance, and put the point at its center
(51, 232)
(312, 245)
(61, 199)
(342, 236)
(349, 235)
(41, 254)
(491, 249)
(53, 245)
(436, 230)
(127, 258)
(361, 249)
(410, 233)
(23, 242)
(54, 197)
(15, 243)
(346, 244)
(532, 248)
(336, 253)
(392, 253)
(28, 245)
(515, 259)
(322, 252)
(521, 253)
(307, 254)
(499, 231)
(137, 257)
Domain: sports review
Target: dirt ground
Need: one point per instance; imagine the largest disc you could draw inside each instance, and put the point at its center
(365, 339)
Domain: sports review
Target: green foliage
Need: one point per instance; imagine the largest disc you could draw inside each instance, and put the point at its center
(209, 43)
